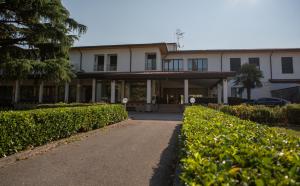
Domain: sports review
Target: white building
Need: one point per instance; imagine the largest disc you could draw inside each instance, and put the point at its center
(158, 73)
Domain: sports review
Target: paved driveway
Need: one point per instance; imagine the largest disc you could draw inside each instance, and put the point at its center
(140, 151)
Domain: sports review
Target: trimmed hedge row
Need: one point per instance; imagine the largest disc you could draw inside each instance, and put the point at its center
(293, 114)
(219, 149)
(22, 129)
(262, 114)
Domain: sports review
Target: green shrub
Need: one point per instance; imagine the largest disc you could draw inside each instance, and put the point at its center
(258, 113)
(219, 149)
(22, 129)
(293, 114)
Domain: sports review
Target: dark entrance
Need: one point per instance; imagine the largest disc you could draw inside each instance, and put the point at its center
(173, 95)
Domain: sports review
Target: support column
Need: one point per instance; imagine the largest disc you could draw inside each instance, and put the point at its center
(17, 91)
(186, 91)
(225, 91)
(94, 90)
(113, 91)
(122, 89)
(67, 87)
(148, 91)
(41, 92)
(219, 93)
(78, 92)
(153, 88)
(127, 90)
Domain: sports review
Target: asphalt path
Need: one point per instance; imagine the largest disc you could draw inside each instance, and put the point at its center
(139, 151)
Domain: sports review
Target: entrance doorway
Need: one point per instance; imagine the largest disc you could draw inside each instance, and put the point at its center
(173, 95)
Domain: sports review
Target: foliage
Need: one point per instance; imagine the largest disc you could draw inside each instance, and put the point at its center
(22, 129)
(293, 113)
(30, 106)
(219, 149)
(35, 37)
(257, 113)
(249, 77)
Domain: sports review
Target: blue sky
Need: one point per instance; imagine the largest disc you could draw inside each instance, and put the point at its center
(208, 24)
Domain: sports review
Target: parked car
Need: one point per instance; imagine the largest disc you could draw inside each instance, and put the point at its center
(271, 101)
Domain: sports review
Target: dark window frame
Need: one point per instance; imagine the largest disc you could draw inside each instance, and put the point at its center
(172, 63)
(287, 65)
(98, 67)
(254, 61)
(111, 67)
(235, 67)
(198, 64)
(150, 64)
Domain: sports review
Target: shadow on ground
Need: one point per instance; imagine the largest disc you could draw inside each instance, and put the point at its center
(156, 116)
(165, 171)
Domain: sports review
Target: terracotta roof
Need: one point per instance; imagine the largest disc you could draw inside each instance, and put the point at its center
(155, 75)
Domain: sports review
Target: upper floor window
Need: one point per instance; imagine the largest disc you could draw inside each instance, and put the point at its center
(287, 65)
(235, 64)
(150, 62)
(198, 64)
(254, 61)
(112, 62)
(173, 65)
(99, 63)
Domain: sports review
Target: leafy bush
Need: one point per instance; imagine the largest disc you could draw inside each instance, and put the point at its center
(258, 113)
(219, 149)
(293, 113)
(21, 129)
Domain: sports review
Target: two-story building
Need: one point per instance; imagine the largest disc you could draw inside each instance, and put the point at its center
(158, 73)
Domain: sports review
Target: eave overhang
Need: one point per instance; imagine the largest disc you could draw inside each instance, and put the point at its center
(284, 80)
(154, 75)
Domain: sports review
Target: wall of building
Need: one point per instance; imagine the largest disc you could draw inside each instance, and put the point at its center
(214, 63)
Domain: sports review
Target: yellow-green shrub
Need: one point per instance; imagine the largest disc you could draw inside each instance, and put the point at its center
(21, 129)
(258, 113)
(219, 149)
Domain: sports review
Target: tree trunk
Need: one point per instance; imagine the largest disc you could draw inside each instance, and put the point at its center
(248, 94)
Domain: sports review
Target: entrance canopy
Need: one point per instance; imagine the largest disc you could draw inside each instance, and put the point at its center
(155, 75)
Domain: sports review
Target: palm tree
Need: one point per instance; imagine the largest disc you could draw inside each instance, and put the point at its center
(249, 77)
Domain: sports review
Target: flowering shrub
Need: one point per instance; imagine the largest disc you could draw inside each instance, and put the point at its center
(219, 149)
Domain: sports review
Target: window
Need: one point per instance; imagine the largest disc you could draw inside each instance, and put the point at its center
(99, 63)
(197, 64)
(150, 62)
(235, 64)
(254, 61)
(236, 92)
(173, 65)
(112, 63)
(287, 65)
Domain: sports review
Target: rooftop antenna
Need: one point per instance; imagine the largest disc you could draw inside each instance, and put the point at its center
(179, 35)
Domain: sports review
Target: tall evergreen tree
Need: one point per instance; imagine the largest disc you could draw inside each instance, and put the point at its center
(249, 77)
(35, 37)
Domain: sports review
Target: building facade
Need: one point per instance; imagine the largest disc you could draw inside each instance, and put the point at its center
(158, 73)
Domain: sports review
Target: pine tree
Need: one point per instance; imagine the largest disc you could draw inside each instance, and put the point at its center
(35, 37)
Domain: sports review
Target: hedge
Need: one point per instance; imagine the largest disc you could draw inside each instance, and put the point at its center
(219, 149)
(293, 114)
(258, 113)
(289, 114)
(22, 129)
